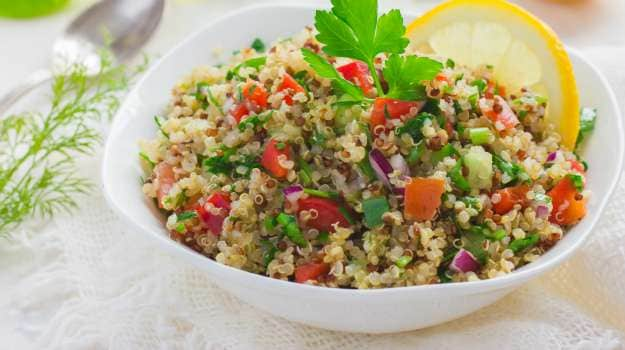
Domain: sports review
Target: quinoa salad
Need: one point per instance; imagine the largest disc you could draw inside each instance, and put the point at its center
(303, 161)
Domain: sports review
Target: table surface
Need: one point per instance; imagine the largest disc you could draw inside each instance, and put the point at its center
(25, 45)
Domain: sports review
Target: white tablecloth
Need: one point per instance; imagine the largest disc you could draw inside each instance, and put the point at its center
(87, 281)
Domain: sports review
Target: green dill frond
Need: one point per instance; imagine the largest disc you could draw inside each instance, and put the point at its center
(38, 173)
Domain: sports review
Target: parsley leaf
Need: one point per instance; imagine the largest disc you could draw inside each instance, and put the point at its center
(352, 29)
(327, 70)
(587, 120)
(258, 45)
(405, 74)
(255, 63)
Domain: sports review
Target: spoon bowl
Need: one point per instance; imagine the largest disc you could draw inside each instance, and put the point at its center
(124, 26)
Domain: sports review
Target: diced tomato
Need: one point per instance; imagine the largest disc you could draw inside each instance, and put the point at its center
(441, 77)
(166, 179)
(256, 94)
(505, 116)
(358, 73)
(510, 196)
(422, 197)
(568, 208)
(493, 89)
(577, 166)
(214, 222)
(310, 271)
(239, 112)
(270, 156)
(291, 87)
(328, 213)
(394, 109)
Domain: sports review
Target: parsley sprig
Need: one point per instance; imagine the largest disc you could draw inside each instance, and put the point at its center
(352, 29)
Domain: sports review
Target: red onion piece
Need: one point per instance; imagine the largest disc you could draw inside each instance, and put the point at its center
(400, 191)
(381, 166)
(542, 211)
(399, 163)
(552, 156)
(464, 261)
(293, 193)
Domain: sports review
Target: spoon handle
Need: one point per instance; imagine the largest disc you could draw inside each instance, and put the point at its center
(34, 80)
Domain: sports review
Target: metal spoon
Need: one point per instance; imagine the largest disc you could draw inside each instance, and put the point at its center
(122, 25)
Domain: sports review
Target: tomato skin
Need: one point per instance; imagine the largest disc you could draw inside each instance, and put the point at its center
(291, 86)
(577, 166)
(239, 112)
(328, 213)
(214, 222)
(310, 271)
(506, 116)
(166, 179)
(567, 210)
(270, 156)
(256, 94)
(510, 196)
(358, 73)
(397, 109)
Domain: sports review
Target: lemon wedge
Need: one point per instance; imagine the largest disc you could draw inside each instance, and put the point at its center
(524, 52)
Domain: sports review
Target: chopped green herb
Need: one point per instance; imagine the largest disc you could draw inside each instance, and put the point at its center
(289, 223)
(450, 63)
(366, 168)
(473, 242)
(519, 245)
(447, 151)
(180, 227)
(415, 153)
(253, 121)
(185, 215)
(472, 202)
(258, 45)
(522, 114)
(373, 209)
(147, 159)
(587, 121)
(224, 165)
(403, 261)
(512, 172)
(455, 174)
(321, 194)
(270, 251)
(305, 173)
(347, 215)
(496, 235)
(480, 84)
(323, 237)
(270, 223)
(255, 63)
(158, 122)
(202, 90)
(578, 181)
(318, 138)
(413, 126)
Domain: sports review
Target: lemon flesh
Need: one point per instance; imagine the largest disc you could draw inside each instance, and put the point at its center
(523, 51)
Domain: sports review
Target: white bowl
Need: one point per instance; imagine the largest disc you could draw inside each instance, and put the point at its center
(377, 311)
